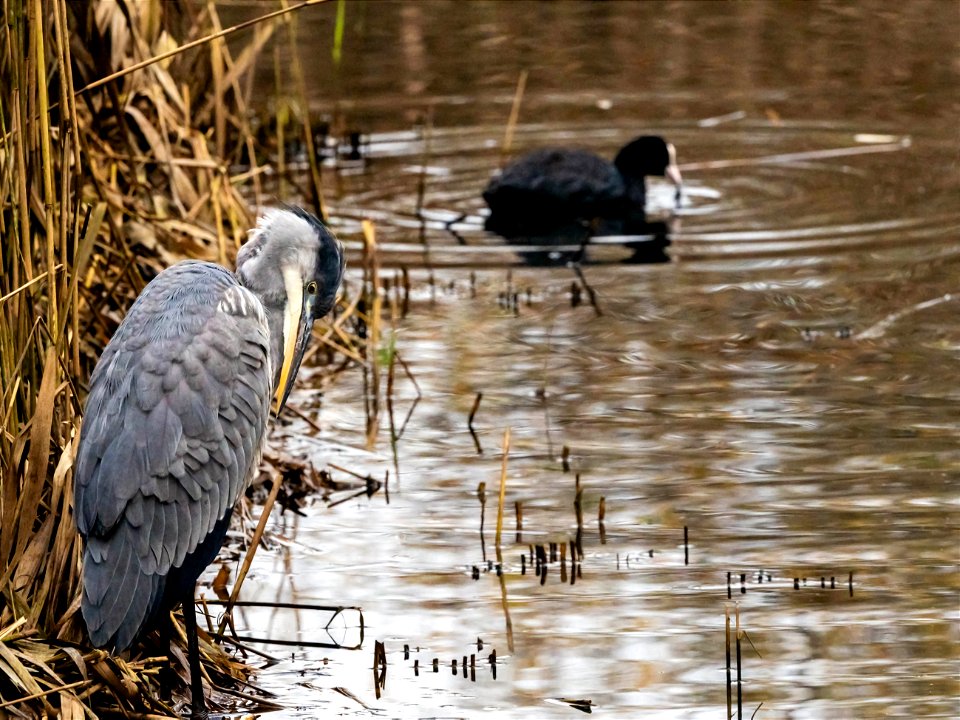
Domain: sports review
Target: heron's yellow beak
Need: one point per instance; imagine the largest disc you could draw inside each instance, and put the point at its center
(291, 329)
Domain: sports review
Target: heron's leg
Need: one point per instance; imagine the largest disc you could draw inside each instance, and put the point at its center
(168, 676)
(198, 707)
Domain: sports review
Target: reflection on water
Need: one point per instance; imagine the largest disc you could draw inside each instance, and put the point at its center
(785, 387)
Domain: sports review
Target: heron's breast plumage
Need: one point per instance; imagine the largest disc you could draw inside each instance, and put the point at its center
(172, 434)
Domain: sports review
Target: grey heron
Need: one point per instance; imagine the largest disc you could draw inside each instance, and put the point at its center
(175, 420)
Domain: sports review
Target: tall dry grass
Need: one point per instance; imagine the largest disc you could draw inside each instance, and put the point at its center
(101, 185)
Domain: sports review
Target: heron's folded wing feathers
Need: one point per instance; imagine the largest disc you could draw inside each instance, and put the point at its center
(172, 434)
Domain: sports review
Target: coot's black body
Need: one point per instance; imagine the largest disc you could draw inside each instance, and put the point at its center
(554, 187)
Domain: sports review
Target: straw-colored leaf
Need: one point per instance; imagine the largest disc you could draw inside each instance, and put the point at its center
(33, 556)
(39, 459)
(77, 659)
(130, 179)
(70, 707)
(180, 183)
(164, 79)
(12, 676)
(16, 671)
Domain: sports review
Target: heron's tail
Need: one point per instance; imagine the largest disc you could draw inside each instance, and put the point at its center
(119, 598)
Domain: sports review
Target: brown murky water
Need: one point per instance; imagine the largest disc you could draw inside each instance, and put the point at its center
(786, 387)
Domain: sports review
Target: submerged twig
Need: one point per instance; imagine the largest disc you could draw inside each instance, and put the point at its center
(251, 552)
(902, 144)
(473, 412)
(482, 497)
(590, 292)
(879, 328)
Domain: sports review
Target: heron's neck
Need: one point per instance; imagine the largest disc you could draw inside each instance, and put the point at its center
(273, 310)
(275, 321)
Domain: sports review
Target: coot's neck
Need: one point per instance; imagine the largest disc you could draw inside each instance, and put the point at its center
(636, 191)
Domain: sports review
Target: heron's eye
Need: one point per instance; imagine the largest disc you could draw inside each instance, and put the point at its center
(312, 287)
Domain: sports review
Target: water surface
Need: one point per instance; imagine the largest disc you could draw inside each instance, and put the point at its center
(785, 387)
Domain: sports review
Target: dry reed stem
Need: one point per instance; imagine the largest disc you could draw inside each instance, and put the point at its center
(503, 491)
(374, 303)
(94, 196)
(199, 42)
(514, 117)
(251, 552)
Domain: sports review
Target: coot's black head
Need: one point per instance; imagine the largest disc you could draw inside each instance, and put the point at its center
(648, 155)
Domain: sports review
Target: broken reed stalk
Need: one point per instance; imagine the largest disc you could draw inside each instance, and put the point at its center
(591, 293)
(394, 435)
(514, 117)
(251, 552)
(379, 667)
(739, 683)
(578, 509)
(374, 304)
(503, 491)
(482, 496)
(473, 412)
(726, 616)
(601, 515)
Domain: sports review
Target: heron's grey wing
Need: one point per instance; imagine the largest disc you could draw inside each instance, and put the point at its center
(171, 434)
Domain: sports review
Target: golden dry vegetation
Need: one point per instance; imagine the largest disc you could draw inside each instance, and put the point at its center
(120, 121)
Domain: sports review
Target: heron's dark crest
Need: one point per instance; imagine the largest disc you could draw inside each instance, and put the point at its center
(177, 412)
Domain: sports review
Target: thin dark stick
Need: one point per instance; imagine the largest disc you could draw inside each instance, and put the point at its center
(357, 494)
(739, 683)
(482, 496)
(283, 605)
(303, 416)
(298, 643)
(247, 649)
(473, 412)
(391, 371)
(262, 703)
(416, 387)
(198, 706)
(726, 615)
(590, 292)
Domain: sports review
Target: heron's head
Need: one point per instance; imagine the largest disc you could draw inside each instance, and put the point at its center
(294, 265)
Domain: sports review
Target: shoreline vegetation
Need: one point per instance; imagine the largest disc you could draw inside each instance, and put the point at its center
(102, 184)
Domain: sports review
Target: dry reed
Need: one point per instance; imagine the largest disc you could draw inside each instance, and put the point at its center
(99, 189)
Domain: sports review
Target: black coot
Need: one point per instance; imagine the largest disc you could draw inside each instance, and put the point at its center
(553, 187)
